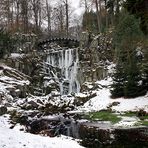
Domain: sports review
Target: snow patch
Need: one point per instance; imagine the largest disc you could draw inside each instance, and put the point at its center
(103, 100)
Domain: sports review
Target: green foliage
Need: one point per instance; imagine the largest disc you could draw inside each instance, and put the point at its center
(145, 123)
(139, 8)
(103, 116)
(118, 85)
(127, 31)
(130, 114)
(6, 45)
(145, 76)
(127, 76)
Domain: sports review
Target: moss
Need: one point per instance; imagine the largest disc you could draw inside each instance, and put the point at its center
(130, 114)
(145, 123)
(103, 116)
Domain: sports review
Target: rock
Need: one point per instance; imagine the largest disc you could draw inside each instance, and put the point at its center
(3, 110)
(8, 105)
(104, 135)
(40, 102)
(33, 104)
(94, 136)
(23, 120)
(93, 54)
(80, 100)
(113, 104)
(0, 100)
(137, 136)
(1, 96)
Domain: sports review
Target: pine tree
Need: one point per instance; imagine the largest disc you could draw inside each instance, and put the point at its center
(118, 82)
(133, 85)
(139, 8)
(6, 45)
(127, 78)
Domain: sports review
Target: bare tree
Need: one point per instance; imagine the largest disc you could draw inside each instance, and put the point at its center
(6, 13)
(87, 4)
(67, 16)
(98, 14)
(17, 12)
(36, 10)
(24, 14)
(59, 18)
(48, 10)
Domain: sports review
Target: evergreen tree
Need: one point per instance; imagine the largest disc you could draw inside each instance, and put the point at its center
(145, 76)
(6, 45)
(133, 85)
(119, 80)
(139, 8)
(127, 77)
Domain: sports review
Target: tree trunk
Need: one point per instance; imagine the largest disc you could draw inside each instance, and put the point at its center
(48, 16)
(98, 16)
(67, 19)
(86, 9)
(106, 17)
(61, 21)
(17, 14)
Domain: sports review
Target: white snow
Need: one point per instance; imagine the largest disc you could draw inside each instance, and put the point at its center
(16, 55)
(13, 138)
(103, 100)
(127, 122)
(106, 82)
(132, 104)
(13, 81)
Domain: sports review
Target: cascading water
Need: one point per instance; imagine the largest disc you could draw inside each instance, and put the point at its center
(64, 68)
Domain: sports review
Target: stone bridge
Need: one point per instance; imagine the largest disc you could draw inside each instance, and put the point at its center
(63, 42)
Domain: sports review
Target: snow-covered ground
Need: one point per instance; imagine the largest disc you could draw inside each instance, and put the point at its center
(14, 138)
(127, 122)
(104, 100)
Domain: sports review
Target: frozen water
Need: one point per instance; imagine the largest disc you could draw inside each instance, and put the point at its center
(66, 61)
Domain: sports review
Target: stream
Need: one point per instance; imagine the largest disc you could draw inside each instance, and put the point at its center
(93, 134)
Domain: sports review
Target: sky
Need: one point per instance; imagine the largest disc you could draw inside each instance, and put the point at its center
(76, 5)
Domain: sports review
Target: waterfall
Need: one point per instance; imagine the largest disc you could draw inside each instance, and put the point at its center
(64, 67)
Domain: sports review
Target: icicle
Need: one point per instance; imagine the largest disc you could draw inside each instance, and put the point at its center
(67, 62)
(61, 87)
